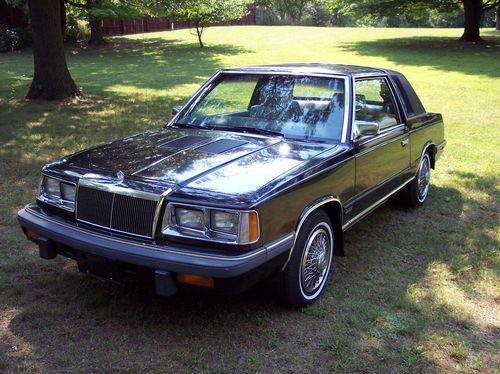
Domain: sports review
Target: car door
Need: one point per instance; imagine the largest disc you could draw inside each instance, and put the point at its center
(382, 160)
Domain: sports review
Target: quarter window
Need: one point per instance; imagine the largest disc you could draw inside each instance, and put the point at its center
(374, 102)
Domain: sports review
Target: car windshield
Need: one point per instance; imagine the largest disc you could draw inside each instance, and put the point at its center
(302, 107)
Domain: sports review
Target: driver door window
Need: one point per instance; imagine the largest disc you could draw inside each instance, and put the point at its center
(374, 102)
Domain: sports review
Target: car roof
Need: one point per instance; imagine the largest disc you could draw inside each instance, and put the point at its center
(309, 68)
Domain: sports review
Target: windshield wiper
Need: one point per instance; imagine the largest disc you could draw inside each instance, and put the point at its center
(189, 126)
(251, 130)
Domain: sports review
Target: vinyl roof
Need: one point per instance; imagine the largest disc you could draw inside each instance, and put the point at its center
(310, 68)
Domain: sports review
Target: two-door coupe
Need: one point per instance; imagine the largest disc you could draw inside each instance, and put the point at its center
(256, 177)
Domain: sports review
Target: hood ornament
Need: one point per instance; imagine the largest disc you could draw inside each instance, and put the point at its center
(120, 176)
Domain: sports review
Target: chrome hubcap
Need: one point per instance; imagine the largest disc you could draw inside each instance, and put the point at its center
(424, 177)
(315, 261)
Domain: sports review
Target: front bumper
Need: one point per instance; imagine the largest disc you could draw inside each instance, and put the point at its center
(169, 257)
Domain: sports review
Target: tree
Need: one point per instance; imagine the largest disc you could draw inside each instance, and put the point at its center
(205, 12)
(287, 9)
(51, 80)
(498, 18)
(95, 10)
(473, 10)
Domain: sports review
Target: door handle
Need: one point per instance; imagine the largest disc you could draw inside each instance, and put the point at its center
(404, 143)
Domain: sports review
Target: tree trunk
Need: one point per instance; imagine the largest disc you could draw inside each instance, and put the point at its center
(199, 33)
(96, 32)
(63, 17)
(473, 11)
(52, 80)
(498, 17)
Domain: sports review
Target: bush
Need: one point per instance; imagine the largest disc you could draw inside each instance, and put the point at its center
(83, 30)
(318, 14)
(71, 32)
(76, 30)
(11, 39)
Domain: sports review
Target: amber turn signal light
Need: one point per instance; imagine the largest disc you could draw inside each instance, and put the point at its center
(253, 227)
(195, 280)
(33, 235)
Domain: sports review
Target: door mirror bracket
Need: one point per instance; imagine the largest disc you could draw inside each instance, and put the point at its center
(364, 128)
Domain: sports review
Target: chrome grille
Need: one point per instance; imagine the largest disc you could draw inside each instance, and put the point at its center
(115, 211)
(132, 214)
(95, 206)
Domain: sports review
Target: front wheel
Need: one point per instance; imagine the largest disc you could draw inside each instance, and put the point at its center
(305, 276)
(417, 191)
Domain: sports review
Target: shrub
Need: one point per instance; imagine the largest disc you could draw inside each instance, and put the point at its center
(83, 30)
(76, 30)
(71, 32)
(11, 39)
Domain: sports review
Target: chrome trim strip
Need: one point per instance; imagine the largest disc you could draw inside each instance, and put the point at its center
(347, 109)
(405, 135)
(113, 186)
(173, 230)
(116, 189)
(308, 211)
(111, 213)
(389, 84)
(441, 144)
(279, 242)
(114, 230)
(424, 149)
(353, 220)
(142, 245)
(60, 202)
(370, 190)
(59, 179)
(194, 98)
(322, 171)
(199, 94)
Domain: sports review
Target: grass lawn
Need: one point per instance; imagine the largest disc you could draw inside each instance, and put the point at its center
(417, 292)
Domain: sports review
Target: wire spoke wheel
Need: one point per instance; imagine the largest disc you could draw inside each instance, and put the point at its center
(316, 260)
(423, 179)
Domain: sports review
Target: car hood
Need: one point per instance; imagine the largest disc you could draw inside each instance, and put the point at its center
(210, 160)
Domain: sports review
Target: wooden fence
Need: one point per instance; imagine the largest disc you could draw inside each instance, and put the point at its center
(112, 26)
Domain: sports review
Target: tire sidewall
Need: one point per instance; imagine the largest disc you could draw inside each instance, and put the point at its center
(427, 160)
(415, 199)
(329, 230)
(295, 295)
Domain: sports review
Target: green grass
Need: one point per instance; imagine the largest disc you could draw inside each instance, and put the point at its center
(417, 292)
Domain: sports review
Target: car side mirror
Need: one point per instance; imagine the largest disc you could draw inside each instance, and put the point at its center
(176, 109)
(360, 102)
(364, 128)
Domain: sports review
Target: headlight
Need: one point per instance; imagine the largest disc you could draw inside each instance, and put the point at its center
(192, 219)
(58, 193)
(68, 191)
(225, 221)
(51, 187)
(235, 227)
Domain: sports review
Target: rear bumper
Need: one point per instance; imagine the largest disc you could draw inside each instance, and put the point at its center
(439, 149)
(169, 257)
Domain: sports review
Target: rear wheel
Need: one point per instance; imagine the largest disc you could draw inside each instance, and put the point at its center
(305, 276)
(417, 191)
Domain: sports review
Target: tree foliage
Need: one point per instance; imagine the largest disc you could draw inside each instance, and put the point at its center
(206, 12)
(95, 10)
(473, 10)
(285, 10)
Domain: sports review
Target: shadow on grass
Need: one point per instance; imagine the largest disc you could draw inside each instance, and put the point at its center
(441, 53)
(129, 87)
(379, 312)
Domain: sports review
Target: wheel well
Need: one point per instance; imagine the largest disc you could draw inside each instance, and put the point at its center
(431, 150)
(334, 211)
